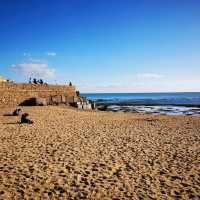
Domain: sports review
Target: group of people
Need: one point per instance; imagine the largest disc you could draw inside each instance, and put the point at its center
(36, 81)
(41, 82)
(24, 116)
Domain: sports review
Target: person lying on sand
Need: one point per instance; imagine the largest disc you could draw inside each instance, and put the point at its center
(24, 119)
(16, 112)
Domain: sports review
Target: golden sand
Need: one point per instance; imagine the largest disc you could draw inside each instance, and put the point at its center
(71, 154)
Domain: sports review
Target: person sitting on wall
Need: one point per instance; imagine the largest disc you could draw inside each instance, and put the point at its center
(70, 83)
(24, 119)
(16, 112)
(35, 81)
(41, 81)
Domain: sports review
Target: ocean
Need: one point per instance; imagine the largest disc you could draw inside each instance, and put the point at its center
(179, 103)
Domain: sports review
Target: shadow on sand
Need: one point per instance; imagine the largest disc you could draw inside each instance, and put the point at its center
(8, 114)
(10, 123)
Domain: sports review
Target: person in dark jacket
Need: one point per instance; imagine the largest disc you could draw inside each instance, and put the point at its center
(24, 119)
(35, 81)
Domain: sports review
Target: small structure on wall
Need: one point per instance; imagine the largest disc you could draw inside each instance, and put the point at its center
(3, 80)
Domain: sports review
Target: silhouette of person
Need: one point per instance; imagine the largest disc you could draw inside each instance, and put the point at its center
(41, 81)
(24, 119)
(35, 81)
(16, 112)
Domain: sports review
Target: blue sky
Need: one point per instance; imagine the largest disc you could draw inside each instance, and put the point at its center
(103, 45)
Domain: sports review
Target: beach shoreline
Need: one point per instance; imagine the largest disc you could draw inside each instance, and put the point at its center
(176, 103)
(72, 154)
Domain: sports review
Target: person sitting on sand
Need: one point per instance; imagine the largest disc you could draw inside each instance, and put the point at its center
(24, 119)
(16, 112)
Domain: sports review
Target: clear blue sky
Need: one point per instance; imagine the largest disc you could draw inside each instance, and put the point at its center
(103, 45)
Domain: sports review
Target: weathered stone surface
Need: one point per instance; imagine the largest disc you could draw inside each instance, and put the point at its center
(63, 98)
(70, 99)
(41, 101)
(57, 99)
(36, 95)
(14, 94)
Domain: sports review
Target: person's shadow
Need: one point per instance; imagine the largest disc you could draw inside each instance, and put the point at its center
(8, 114)
(10, 123)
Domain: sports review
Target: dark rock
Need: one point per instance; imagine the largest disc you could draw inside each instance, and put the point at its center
(74, 104)
(102, 107)
(34, 101)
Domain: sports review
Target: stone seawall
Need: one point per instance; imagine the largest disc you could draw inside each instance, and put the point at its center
(13, 94)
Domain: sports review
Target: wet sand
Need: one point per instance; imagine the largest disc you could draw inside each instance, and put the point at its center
(71, 154)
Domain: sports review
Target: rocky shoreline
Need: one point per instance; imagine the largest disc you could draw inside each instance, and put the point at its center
(152, 109)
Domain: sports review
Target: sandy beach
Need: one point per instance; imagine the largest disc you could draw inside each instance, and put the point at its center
(74, 154)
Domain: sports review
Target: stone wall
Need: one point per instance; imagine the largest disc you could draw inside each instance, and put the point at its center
(13, 94)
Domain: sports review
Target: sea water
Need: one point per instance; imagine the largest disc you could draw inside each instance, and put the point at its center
(180, 103)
